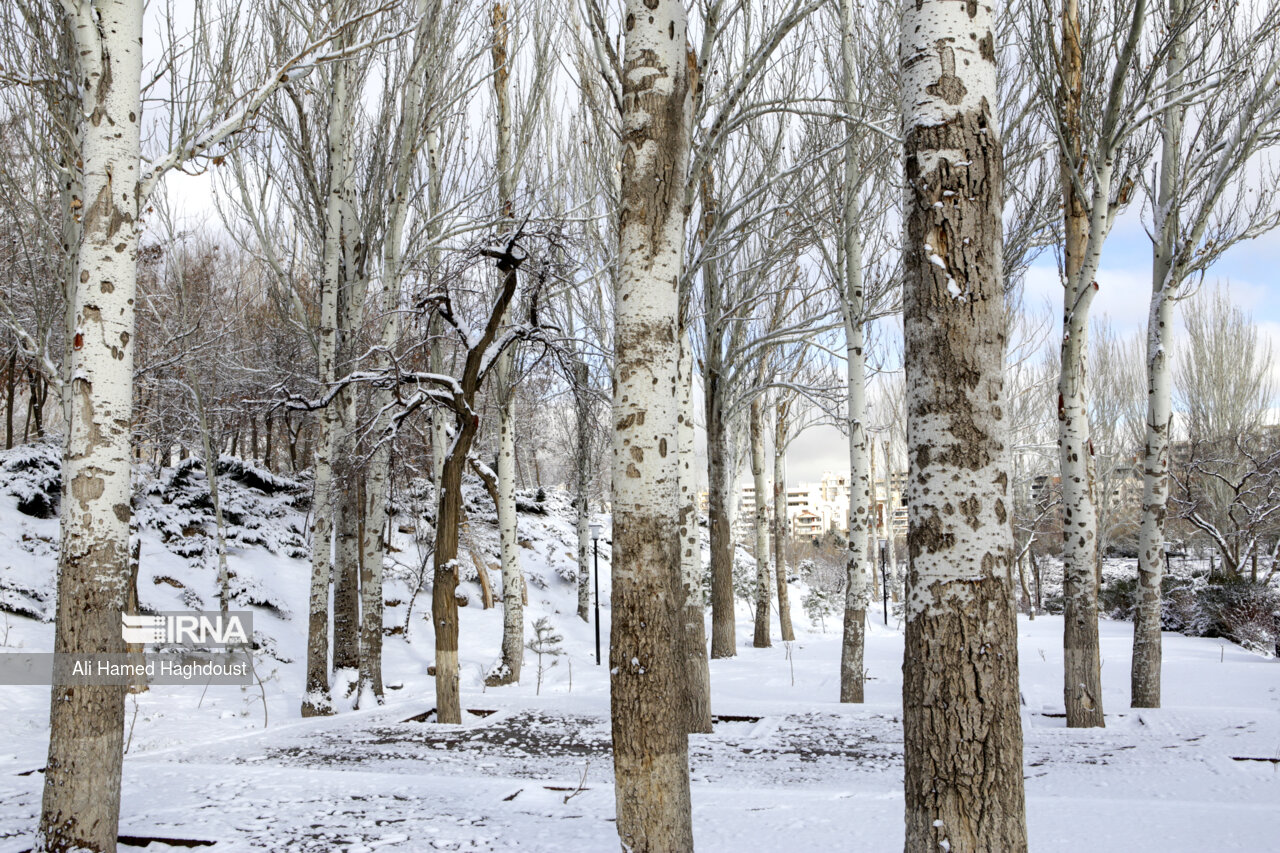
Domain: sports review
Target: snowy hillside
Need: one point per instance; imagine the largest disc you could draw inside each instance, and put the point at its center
(788, 768)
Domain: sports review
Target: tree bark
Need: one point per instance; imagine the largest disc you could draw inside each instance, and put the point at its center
(583, 427)
(81, 806)
(697, 675)
(11, 384)
(780, 519)
(651, 764)
(512, 580)
(444, 606)
(347, 556)
(1144, 680)
(852, 649)
(761, 526)
(1082, 672)
(338, 223)
(723, 639)
(504, 380)
(894, 580)
(873, 520)
(962, 731)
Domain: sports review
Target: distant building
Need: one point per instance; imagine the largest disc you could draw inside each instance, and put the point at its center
(816, 508)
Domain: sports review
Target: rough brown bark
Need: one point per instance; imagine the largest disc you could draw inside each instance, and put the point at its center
(346, 571)
(962, 730)
(650, 747)
(723, 639)
(444, 604)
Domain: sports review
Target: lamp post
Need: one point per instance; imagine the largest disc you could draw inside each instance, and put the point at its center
(596, 530)
(884, 577)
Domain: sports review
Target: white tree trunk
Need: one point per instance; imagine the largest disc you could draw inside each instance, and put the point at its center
(1084, 233)
(693, 613)
(378, 478)
(873, 554)
(211, 474)
(512, 580)
(504, 380)
(348, 474)
(961, 725)
(650, 753)
(1144, 684)
(81, 805)
(316, 699)
(780, 531)
(760, 525)
(852, 652)
(894, 579)
(435, 360)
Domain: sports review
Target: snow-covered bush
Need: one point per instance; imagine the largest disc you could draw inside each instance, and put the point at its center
(32, 473)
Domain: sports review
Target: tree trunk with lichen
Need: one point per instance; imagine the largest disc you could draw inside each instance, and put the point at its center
(852, 304)
(962, 730)
(81, 806)
(650, 754)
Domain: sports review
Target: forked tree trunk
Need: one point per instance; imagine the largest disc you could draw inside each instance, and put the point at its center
(1144, 680)
(1082, 672)
(761, 526)
(853, 646)
(780, 519)
(81, 807)
(697, 674)
(650, 753)
(962, 731)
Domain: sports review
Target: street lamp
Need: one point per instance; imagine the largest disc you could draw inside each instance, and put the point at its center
(884, 577)
(596, 530)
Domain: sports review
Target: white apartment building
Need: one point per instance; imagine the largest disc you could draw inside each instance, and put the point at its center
(815, 508)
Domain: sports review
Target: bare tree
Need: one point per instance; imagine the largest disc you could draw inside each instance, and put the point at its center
(1227, 471)
(110, 193)
(1200, 207)
(1100, 152)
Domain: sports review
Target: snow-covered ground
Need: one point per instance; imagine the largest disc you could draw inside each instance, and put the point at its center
(788, 767)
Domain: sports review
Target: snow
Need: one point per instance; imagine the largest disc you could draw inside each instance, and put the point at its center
(788, 766)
